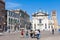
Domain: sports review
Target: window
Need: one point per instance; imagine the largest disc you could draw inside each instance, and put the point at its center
(12, 14)
(9, 13)
(35, 26)
(22, 15)
(17, 21)
(12, 21)
(45, 26)
(49, 26)
(9, 21)
(15, 15)
(40, 20)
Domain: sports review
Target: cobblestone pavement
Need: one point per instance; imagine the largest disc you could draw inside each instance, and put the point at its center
(16, 36)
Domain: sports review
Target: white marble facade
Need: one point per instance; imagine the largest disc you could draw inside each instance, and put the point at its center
(40, 21)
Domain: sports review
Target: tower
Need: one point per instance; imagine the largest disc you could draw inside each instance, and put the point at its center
(54, 18)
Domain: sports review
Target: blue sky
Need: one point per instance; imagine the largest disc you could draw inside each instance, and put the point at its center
(32, 6)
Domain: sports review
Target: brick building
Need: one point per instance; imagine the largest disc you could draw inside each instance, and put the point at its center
(2, 16)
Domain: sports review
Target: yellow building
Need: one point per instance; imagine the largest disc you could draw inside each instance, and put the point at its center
(54, 18)
(51, 24)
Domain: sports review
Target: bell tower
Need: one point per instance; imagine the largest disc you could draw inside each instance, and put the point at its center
(54, 18)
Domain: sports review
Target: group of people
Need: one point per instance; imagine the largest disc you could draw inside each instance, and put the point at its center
(35, 33)
(31, 33)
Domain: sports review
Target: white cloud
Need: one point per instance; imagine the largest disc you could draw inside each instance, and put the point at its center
(10, 5)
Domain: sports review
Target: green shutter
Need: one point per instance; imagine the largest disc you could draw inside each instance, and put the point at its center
(9, 20)
(22, 15)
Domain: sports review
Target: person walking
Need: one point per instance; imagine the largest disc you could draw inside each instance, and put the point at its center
(9, 29)
(31, 33)
(35, 33)
(52, 31)
(22, 33)
(27, 35)
(38, 34)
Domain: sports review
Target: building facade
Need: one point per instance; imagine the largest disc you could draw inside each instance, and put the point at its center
(13, 21)
(2, 16)
(40, 21)
(50, 24)
(24, 18)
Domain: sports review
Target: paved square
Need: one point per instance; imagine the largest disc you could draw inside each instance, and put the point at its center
(44, 36)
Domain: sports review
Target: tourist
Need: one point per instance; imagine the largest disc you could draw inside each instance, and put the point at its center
(52, 31)
(31, 33)
(22, 33)
(27, 34)
(38, 34)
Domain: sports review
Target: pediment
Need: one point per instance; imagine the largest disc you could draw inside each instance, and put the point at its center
(40, 14)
